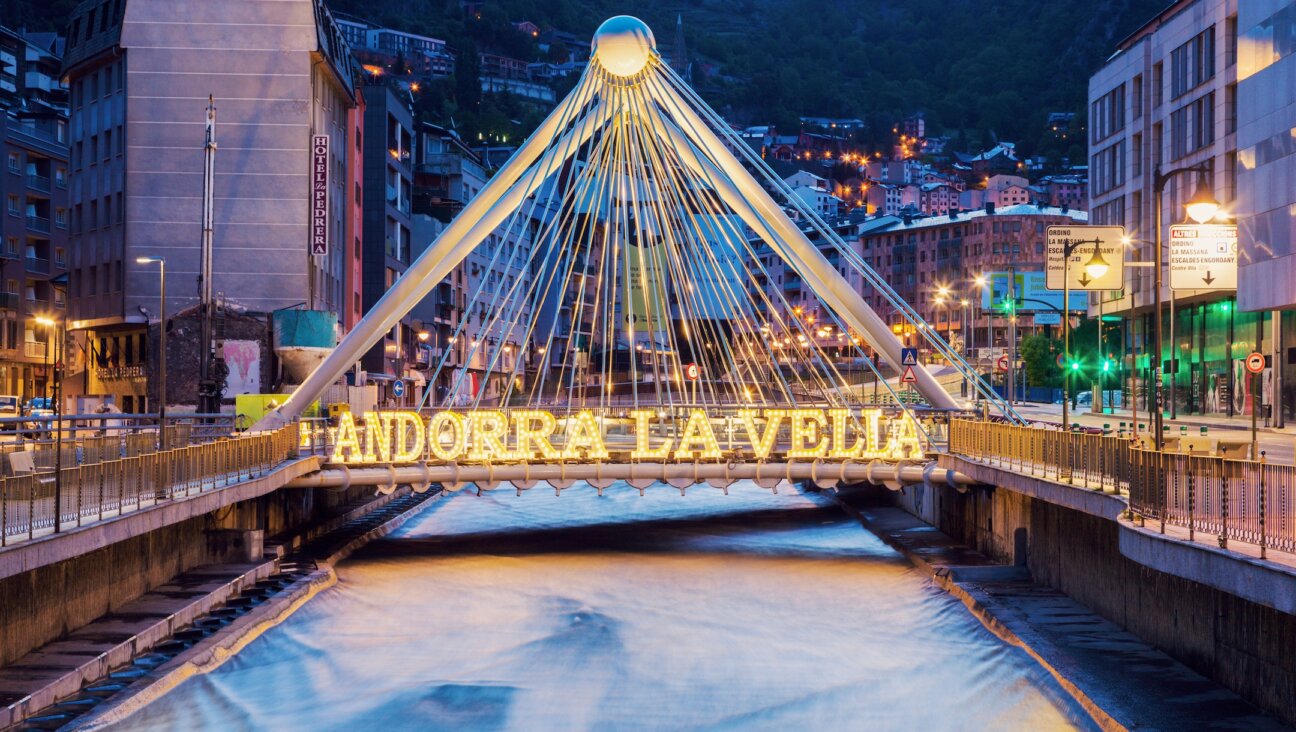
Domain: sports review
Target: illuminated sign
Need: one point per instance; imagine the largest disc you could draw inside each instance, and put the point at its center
(319, 244)
(533, 435)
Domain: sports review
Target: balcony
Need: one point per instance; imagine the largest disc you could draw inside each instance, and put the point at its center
(33, 349)
(38, 224)
(9, 300)
(38, 182)
(36, 265)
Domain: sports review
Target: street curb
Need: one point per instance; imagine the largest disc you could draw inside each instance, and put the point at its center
(980, 606)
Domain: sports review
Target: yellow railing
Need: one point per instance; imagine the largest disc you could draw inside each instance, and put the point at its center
(1244, 500)
(94, 491)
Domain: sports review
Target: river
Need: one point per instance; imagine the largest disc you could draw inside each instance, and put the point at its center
(580, 612)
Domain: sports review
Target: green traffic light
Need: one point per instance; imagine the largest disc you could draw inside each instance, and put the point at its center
(1075, 365)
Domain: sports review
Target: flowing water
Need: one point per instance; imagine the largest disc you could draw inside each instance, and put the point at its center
(580, 612)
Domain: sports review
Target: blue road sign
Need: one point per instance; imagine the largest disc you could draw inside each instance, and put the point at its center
(908, 356)
(398, 388)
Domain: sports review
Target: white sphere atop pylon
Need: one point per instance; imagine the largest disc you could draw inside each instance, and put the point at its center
(623, 45)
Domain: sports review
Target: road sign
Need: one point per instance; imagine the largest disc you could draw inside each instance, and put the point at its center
(1203, 257)
(909, 377)
(908, 356)
(1061, 360)
(398, 388)
(1048, 319)
(1002, 363)
(1031, 293)
(1255, 363)
(1110, 247)
(692, 372)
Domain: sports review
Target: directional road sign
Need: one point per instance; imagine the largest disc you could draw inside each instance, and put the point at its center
(1110, 243)
(908, 356)
(398, 388)
(1255, 362)
(909, 377)
(1203, 257)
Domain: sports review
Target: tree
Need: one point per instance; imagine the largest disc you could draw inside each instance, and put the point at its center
(1039, 354)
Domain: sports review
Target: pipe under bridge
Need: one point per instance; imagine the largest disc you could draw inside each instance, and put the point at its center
(641, 475)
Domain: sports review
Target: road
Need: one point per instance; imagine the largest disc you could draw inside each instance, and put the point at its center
(1279, 447)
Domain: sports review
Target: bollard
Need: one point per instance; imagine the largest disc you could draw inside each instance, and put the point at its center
(1204, 429)
(1107, 430)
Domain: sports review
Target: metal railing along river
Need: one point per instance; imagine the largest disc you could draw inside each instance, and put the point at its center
(92, 438)
(95, 491)
(1245, 500)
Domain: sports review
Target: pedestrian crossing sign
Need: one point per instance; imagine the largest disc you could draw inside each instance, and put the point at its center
(908, 356)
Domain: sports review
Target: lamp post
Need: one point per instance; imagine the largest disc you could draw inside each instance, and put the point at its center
(1096, 267)
(980, 282)
(162, 347)
(50, 325)
(1202, 207)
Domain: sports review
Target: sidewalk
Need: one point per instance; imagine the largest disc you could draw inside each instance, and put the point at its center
(1086, 417)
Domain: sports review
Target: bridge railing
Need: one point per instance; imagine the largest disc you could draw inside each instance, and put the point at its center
(93, 438)
(30, 503)
(1244, 500)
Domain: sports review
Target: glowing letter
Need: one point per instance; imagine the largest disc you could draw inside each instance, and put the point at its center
(641, 451)
(346, 447)
(698, 432)
(839, 449)
(377, 438)
(526, 434)
(807, 426)
(762, 444)
(437, 427)
(405, 449)
(486, 430)
(583, 433)
(903, 442)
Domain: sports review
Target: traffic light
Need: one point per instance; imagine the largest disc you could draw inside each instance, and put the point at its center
(1107, 366)
(1075, 365)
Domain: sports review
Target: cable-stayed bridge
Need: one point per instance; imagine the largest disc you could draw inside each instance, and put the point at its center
(648, 243)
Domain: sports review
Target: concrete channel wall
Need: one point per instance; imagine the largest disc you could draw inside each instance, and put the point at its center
(1185, 599)
(56, 584)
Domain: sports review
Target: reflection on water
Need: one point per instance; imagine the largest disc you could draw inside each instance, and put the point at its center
(747, 611)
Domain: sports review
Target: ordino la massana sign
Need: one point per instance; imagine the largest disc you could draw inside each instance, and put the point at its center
(533, 435)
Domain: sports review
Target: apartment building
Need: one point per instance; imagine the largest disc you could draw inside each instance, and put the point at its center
(139, 91)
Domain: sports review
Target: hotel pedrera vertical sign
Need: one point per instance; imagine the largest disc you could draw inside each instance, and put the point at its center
(319, 195)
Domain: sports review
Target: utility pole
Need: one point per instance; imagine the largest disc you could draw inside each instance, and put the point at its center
(208, 396)
(1012, 334)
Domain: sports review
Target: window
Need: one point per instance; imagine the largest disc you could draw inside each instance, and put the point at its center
(1192, 126)
(15, 164)
(1107, 114)
(1192, 63)
(1230, 109)
(11, 247)
(1158, 84)
(1136, 155)
(60, 258)
(1137, 97)
(107, 146)
(60, 177)
(1107, 168)
(1268, 42)
(60, 218)
(15, 207)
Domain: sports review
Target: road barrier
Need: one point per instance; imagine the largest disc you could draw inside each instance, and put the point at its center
(99, 490)
(1245, 500)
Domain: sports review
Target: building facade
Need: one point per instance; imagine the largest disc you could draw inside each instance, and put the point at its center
(34, 223)
(139, 91)
(1170, 99)
(387, 236)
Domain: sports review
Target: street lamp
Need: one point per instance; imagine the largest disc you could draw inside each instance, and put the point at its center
(1202, 207)
(50, 324)
(1096, 267)
(162, 347)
